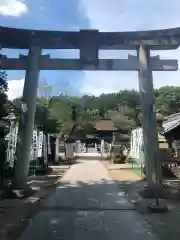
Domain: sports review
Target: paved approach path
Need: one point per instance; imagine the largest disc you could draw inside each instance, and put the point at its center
(87, 205)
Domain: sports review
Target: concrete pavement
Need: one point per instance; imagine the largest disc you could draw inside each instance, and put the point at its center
(87, 205)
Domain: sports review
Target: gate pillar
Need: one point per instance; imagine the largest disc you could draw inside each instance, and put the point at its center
(26, 123)
(147, 99)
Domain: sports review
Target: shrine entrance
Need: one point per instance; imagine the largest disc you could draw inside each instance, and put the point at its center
(89, 42)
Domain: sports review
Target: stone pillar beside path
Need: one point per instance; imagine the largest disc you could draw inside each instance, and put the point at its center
(150, 136)
(26, 124)
(69, 150)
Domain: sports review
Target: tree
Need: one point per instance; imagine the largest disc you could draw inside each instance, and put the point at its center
(168, 99)
(122, 107)
(5, 125)
(44, 119)
(3, 94)
(86, 119)
(15, 107)
(123, 123)
(61, 110)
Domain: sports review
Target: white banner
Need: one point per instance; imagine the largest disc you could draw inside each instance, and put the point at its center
(34, 147)
(49, 145)
(37, 148)
(40, 144)
(45, 148)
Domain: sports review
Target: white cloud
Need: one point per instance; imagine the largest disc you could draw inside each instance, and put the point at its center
(15, 88)
(130, 15)
(14, 8)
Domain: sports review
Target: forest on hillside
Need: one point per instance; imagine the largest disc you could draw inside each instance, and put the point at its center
(59, 112)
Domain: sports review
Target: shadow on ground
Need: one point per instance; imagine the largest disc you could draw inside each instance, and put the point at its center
(165, 225)
(82, 196)
(98, 195)
(68, 197)
(101, 194)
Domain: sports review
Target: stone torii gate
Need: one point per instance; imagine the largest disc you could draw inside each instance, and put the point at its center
(89, 42)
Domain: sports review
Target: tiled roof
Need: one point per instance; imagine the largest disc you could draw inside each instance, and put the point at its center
(171, 122)
(105, 125)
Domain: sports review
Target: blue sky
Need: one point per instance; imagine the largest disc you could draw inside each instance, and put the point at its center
(105, 15)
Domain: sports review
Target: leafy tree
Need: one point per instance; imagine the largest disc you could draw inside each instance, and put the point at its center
(44, 121)
(61, 109)
(122, 107)
(123, 123)
(3, 94)
(168, 99)
(86, 119)
(15, 106)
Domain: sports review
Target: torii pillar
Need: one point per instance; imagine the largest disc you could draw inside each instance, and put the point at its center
(26, 123)
(149, 125)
